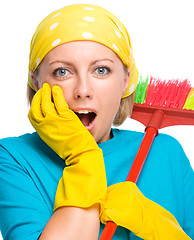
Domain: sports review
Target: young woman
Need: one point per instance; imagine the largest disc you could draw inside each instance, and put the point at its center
(58, 182)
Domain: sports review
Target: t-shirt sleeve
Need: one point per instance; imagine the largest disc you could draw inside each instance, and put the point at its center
(186, 185)
(23, 212)
(188, 181)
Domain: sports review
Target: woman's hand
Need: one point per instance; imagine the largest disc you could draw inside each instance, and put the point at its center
(129, 208)
(83, 183)
(57, 125)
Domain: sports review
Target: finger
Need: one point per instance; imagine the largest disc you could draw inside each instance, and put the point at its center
(47, 105)
(35, 113)
(59, 100)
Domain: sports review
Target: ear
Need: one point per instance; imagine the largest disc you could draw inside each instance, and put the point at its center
(34, 81)
(126, 80)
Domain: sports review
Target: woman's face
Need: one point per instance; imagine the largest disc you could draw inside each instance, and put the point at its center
(93, 81)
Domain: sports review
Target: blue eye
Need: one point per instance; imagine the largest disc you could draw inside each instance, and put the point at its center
(61, 72)
(102, 70)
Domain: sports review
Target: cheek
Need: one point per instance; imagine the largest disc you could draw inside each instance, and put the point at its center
(66, 89)
(45, 76)
(48, 80)
(110, 104)
(111, 96)
(116, 91)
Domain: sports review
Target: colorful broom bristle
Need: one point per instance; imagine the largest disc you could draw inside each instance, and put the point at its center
(164, 93)
(141, 90)
(189, 104)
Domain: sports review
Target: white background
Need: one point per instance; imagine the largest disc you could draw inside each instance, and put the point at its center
(161, 34)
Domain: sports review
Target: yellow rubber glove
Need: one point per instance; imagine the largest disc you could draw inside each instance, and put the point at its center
(129, 208)
(84, 179)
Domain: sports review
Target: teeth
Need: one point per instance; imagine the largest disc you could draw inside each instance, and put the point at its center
(83, 111)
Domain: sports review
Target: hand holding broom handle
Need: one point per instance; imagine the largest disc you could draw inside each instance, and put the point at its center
(157, 105)
(151, 132)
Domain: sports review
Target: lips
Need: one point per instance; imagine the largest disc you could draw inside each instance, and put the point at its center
(87, 117)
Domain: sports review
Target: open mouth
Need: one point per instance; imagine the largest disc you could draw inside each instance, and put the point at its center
(86, 117)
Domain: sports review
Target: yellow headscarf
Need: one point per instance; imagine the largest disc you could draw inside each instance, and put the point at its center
(83, 22)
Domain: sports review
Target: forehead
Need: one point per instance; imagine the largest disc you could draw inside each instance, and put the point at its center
(83, 50)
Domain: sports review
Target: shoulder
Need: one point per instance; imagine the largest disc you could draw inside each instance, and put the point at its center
(14, 151)
(167, 139)
(167, 155)
(18, 141)
(169, 145)
(23, 143)
(163, 145)
(162, 141)
(24, 150)
(128, 135)
(28, 155)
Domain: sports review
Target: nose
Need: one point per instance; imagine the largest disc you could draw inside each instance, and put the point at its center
(83, 88)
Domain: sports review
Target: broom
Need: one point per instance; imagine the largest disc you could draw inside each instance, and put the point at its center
(158, 104)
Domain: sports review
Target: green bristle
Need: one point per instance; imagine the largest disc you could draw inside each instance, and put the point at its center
(189, 104)
(141, 90)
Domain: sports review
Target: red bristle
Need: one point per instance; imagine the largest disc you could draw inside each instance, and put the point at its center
(149, 97)
(187, 86)
(171, 93)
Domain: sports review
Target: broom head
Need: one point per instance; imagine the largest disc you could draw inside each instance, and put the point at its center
(174, 98)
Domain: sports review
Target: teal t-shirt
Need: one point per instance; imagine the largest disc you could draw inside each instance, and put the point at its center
(30, 172)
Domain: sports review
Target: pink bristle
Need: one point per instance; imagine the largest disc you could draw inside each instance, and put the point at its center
(171, 93)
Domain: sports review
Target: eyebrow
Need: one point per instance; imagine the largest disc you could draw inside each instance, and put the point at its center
(69, 63)
(101, 60)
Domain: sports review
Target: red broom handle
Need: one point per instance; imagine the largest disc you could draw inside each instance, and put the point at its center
(151, 132)
(141, 155)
